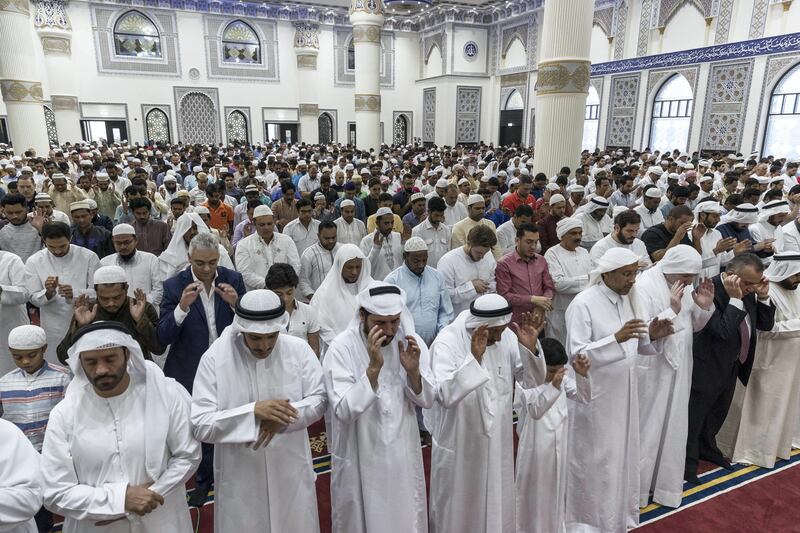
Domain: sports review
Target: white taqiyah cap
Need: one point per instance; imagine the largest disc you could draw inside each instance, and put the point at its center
(347, 203)
(557, 198)
(110, 274)
(383, 211)
(123, 229)
(475, 199)
(653, 192)
(82, 204)
(27, 337)
(262, 211)
(415, 244)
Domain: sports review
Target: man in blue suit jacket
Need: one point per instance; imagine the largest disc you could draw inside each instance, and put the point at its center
(196, 307)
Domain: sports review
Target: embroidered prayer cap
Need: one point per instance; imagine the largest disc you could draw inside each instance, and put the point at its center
(382, 299)
(92, 203)
(250, 188)
(552, 187)
(415, 244)
(82, 204)
(382, 212)
(262, 211)
(681, 259)
(202, 210)
(658, 171)
(442, 183)
(575, 188)
(347, 203)
(42, 197)
(513, 181)
(109, 275)
(27, 337)
(59, 176)
(565, 225)
(475, 199)
(784, 265)
(557, 198)
(491, 310)
(260, 311)
(463, 181)
(123, 229)
(170, 178)
(707, 177)
(654, 192)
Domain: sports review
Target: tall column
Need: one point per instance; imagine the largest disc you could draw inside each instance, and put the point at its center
(366, 16)
(19, 80)
(562, 84)
(55, 32)
(306, 48)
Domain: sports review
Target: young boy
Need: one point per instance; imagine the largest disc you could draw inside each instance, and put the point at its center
(542, 451)
(29, 393)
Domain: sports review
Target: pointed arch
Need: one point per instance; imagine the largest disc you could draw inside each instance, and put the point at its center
(782, 134)
(671, 115)
(136, 35)
(240, 43)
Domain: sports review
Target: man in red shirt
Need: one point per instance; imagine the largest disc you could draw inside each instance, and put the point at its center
(221, 213)
(521, 196)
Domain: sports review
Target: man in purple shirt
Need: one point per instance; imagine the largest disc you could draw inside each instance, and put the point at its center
(523, 277)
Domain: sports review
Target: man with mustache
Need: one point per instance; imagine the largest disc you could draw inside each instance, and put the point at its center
(626, 228)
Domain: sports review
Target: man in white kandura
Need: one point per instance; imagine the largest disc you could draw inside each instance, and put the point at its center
(13, 296)
(603, 477)
(476, 361)
(376, 372)
(265, 247)
(665, 380)
(20, 481)
(771, 411)
(256, 391)
(119, 447)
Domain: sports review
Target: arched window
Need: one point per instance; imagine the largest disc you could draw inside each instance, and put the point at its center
(237, 127)
(351, 55)
(671, 118)
(325, 123)
(50, 124)
(400, 131)
(157, 126)
(591, 120)
(782, 138)
(514, 101)
(240, 44)
(135, 35)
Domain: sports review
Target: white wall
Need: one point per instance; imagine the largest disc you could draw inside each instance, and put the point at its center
(686, 29)
(462, 35)
(600, 51)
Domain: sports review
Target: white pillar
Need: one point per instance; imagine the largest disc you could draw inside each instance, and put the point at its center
(55, 32)
(306, 48)
(366, 16)
(19, 79)
(562, 84)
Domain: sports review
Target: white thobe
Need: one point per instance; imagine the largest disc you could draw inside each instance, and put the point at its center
(87, 472)
(603, 473)
(302, 236)
(471, 423)
(664, 384)
(377, 478)
(384, 258)
(20, 481)
(13, 296)
(75, 269)
(712, 263)
(507, 236)
(541, 459)
(459, 270)
(437, 239)
(142, 272)
(254, 257)
(455, 213)
(787, 238)
(593, 230)
(608, 242)
(315, 263)
(570, 273)
(351, 233)
(760, 232)
(770, 410)
(272, 487)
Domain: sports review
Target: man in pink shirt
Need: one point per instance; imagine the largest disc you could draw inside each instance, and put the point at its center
(523, 277)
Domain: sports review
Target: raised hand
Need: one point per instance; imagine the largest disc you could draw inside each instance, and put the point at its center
(703, 295)
(581, 364)
(84, 312)
(137, 304)
(675, 296)
(189, 295)
(375, 340)
(558, 377)
(762, 290)
(227, 293)
(660, 328)
(528, 329)
(50, 287)
(732, 285)
(65, 291)
(377, 240)
(409, 356)
(723, 245)
(140, 500)
(683, 229)
(632, 329)
(742, 247)
(698, 231)
(480, 338)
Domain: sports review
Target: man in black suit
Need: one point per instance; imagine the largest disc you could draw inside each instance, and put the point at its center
(723, 351)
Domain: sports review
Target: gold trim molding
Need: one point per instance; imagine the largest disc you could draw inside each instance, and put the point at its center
(21, 91)
(367, 102)
(64, 103)
(366, 34)
(563, 77)
(21, 7)
(308, 109)
(56, 45)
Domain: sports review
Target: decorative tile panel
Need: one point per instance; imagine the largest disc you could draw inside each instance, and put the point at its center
(343, 77)
(402, 131)
(50, 124)
(527, 32)
(604, 18)
(724, 16)
(198, 115)
(429, 115)
(620, 25)
(726, 101)
(758, 19)
(644, 28)
(156, 123)
(624, 95)
(468, 115)
(237, 124)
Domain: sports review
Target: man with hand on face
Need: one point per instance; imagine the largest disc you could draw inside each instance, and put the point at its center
(626, 227)
(376, 372)
(114, 304)
(602, 324)
(723, 352)
(55, 277)
(476, 362)
(383, 247)
(256, 391)
(716, 250)
(675, 230)
(119, 447)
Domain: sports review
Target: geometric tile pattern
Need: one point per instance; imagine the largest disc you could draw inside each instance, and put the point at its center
(726, 99)
(644, 28)
(156, 125)
(429, 115)
(50, 124)
(758, 19)
(723, 27)
(198, 112)
(624, 95)
(468, 115)
(236, 126)
(620, 25)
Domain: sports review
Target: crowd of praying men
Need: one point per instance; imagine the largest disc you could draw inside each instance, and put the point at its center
(174, 314)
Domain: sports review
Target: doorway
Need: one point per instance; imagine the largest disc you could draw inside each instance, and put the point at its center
(512, 115)
(111, 131)
(351, 133)
(285, 132)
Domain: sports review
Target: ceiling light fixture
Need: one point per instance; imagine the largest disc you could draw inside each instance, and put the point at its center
(406, 7)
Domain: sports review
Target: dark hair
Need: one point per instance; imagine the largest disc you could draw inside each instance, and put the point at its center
(303, 202)
(212, 188)
(540, 176)
(744, 260)
(628, 217)
(252, 204)
(734, 199)
(679, 211)
(373, 182)
(286, 186)
(773, 194)
(523, 210)
(55, 230)
(131, 189)
(384, 197)
(137, 203)
(526, 228)
(680, 191)
(13, 199)
(482, 235)
(554, 352)
(325, 224)
(750, 191)
(281, 275)
(436, 204)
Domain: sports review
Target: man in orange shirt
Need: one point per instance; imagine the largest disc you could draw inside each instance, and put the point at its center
(521, 196)
(221, 213)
